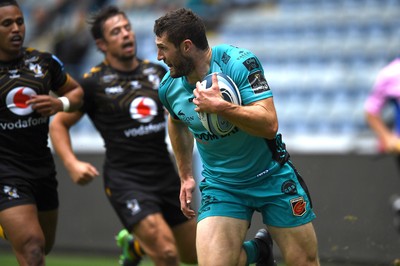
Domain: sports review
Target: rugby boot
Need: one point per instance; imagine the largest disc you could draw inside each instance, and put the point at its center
(131, 252)
(265, 244)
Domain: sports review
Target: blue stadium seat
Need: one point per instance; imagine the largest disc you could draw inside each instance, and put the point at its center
(320, 57)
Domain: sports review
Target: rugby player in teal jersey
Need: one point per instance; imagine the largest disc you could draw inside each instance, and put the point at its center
(246, 170)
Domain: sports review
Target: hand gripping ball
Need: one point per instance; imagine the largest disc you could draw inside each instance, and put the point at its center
(212, 122)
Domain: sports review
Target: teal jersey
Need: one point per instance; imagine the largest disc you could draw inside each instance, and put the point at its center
(238, 157)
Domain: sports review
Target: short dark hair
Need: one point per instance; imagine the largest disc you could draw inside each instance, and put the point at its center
(98, 19)
(182, 24)
(8, 3)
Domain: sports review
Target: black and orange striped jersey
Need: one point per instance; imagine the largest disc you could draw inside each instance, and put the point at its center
(24, 147)
(125, 108)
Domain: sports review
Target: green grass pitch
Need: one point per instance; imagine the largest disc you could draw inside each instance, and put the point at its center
(8, 259)
(70, 260)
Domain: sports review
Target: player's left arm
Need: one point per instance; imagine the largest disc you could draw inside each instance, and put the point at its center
(258, 118)
(68, 99)
(74, 92)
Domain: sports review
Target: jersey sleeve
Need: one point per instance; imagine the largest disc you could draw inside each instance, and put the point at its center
(255, 83)
(376, 99)
(385, 88)
(89, 86)
(57, 70)
(247, 72)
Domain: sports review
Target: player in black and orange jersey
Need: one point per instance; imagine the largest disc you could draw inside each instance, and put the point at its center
(121, 99)
(28, 185)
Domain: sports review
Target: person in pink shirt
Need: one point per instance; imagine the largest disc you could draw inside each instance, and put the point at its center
(386, 91)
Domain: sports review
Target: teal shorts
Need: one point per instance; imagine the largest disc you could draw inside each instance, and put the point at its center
(282, 199)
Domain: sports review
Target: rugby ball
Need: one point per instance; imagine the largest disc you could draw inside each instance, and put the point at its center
(212, 122)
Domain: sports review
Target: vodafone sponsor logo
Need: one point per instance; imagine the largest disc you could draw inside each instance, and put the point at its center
(23, 123)
(144, 130)
(143, 109)
(16, 100)
(16, 103)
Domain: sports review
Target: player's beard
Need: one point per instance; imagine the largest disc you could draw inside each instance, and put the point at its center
(126, 58)
(182, 66)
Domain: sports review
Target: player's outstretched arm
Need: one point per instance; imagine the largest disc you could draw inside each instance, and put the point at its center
(81, 172)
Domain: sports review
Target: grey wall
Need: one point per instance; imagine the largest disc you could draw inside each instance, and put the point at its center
(350, 194)
(351, 198)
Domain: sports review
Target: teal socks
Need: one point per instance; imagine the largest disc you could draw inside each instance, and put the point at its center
(251, 250)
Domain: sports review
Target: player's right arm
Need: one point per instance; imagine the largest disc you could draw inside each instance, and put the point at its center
(182, 142)
(388, 140)
(81, 172)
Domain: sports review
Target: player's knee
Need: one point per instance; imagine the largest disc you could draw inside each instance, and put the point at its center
(33, 250)
(168, 255)
(162, 251)
(302, 258)
(312, 258)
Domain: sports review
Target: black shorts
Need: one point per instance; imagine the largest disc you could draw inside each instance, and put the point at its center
(41, 192)
(135, 200)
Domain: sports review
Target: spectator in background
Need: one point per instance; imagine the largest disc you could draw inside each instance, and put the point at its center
(140, 180)
(72, 43)
(28, 185)
(211, 11)
(144, 5)
(60, 26)
(386, 91)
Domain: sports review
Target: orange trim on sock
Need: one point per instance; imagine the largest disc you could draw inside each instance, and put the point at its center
(136, 247)
(2, 234)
